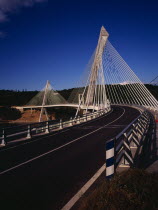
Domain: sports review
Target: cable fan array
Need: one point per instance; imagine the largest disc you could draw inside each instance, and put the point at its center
(108, 80)
(114, 81)
(47, 96)
(122, 84)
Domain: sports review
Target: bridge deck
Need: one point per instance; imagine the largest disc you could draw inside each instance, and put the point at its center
(57, 105)
(47, 172)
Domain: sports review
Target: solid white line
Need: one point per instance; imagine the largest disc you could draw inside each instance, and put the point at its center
(53, 150)
(44, 154)
(79, 194)
(54, 134)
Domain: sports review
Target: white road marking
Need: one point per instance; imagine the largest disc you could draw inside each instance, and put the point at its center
(54, 134)
(79, 194)
(29, 142)
(53, 150)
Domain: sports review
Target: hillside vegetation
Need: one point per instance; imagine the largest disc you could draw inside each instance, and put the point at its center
(19, 98)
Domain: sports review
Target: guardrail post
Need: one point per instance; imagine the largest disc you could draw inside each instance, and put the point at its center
(47, 127)
(29, 132)
(91, 116)
(78, 120)
(61, 124)
(110, 161)
(3, 142)
(71, 123)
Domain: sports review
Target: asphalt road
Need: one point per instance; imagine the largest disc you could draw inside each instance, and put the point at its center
(47, 172)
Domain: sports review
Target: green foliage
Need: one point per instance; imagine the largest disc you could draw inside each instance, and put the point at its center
(15, 98)
(19, 98)
(7, 113)
(65, 93)
(133, 189)
(153, 89)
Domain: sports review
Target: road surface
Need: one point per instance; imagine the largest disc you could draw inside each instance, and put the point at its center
(45, 173)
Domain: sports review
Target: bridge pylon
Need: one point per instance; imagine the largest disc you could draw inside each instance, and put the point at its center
(94, 94)
(47, 87)
(111, 80)
(44, 99)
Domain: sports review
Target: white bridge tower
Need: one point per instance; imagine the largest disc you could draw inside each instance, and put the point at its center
(94, 95)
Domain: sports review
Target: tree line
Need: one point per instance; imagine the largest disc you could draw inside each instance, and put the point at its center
(20, 98)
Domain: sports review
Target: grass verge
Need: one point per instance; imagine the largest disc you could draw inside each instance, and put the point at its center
(133, 189)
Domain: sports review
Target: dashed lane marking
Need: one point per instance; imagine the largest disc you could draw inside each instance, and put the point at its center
(54, 134)
(56, 149)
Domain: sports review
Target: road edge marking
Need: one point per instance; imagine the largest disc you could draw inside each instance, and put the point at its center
(79, 194)
(53, 150)
(54, 134)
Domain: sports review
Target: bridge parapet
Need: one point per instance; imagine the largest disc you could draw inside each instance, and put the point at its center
(123, 150)
(25, 132)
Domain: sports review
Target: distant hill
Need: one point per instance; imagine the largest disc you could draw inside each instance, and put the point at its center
(19, 98)
(15, 98)
(153, 89)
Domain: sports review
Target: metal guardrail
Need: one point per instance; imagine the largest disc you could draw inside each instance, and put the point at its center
(25, 132)
(122, 149)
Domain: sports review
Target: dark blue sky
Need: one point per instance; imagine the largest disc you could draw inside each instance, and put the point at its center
(54, 40)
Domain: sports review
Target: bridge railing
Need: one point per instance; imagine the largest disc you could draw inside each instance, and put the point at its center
(121, 150)
(28, 131)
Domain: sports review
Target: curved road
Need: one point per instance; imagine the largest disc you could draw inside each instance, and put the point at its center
(47, 172)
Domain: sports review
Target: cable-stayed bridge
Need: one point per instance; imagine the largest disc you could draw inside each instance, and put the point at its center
(50, 165)
(110, 81)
